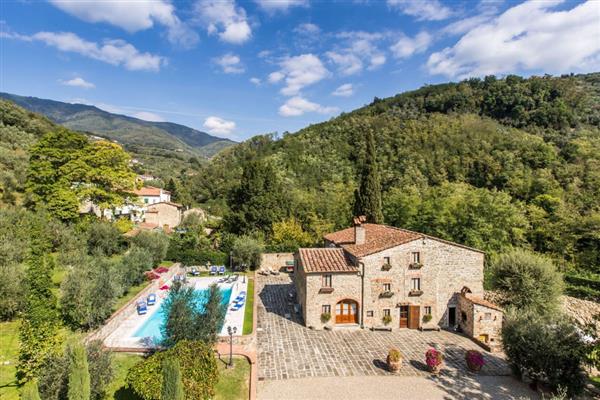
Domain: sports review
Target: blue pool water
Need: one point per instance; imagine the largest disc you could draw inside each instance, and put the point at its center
(151, 328)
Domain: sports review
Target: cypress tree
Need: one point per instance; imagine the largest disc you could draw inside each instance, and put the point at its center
(172, 385)
(30, 391)
(172, 187)
(210, 322)
(367, 199)
(79, 374)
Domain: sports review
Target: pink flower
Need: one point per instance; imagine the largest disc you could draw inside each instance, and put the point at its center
(433, 358)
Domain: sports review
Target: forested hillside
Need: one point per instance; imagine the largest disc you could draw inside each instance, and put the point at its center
(491, 163)
(156, 143)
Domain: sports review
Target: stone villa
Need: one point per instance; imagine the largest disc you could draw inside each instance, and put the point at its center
(381, 277)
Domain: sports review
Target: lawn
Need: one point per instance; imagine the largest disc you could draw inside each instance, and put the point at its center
(118, 388)
(233, 383)
(9, 352)
(131, 293)
(249, 311)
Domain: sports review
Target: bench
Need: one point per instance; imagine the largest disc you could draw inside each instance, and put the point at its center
(381, 328)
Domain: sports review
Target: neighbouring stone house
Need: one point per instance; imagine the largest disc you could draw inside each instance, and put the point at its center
(480, 319)
(165, 214)
(376, 276)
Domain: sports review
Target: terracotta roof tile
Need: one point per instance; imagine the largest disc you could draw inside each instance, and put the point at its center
(325, 260)
(482, 302)
(377, 238)
(149, 191)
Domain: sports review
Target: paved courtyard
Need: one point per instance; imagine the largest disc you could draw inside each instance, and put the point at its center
(287, 349)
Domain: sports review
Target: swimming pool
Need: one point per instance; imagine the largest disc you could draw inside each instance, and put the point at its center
(151, 328)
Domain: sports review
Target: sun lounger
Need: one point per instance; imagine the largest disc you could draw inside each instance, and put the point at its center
(273, 272)
(141, 307)
(263, 272)
(213, 270)
(238, 305)
(222, 270)
(195, 271)
(151, 300)
(240, 297)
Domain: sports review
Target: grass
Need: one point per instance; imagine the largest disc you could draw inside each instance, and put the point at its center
(9, 352)
(233, 383)
(131, 293)
(167, 263)
(118, 389)
(595, 381)
(249, 311)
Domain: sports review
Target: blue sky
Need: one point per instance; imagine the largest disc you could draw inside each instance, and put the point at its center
(241, 68)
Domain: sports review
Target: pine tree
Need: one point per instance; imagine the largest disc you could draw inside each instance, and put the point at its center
(172, 385)
(39, 331)
(367, 199)
(172, 187)
(30, 391)
(79, 374)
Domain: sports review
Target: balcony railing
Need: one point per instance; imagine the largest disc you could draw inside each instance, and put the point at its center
(386, 294)
(415, 292)
(326, 290)
(415, 265)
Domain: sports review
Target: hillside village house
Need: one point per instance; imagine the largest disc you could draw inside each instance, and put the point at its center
(377, 276)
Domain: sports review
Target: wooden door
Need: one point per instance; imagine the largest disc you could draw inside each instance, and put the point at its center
(403, 316)
(346, 312)
(413, 316)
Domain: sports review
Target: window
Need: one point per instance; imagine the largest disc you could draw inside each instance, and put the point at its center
(387, 287)
(416, 257)
(326, 309)
(427, 310)
(386, 260)
(463, 315)
(415, 284)
(369, 313)
(487, 316)
(327, 280)
(386, 312)
(145, 200)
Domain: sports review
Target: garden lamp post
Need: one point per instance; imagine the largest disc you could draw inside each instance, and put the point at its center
(231, 332)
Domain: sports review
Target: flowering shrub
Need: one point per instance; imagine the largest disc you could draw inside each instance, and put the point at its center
(433, 358)
(475, 358)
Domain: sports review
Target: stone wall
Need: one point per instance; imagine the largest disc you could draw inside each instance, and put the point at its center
(346, 285)
(446, 269)
(483, 324)
(163, 214)
(275, 261)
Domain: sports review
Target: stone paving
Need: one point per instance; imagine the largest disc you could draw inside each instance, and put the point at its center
(287, 349)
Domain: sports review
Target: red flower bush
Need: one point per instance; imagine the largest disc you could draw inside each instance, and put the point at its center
(433, 358)
(474, 359)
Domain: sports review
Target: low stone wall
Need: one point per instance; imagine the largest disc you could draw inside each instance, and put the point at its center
(275, 261)
(121, 314)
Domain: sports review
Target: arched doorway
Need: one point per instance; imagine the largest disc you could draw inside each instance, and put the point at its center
(346, 312)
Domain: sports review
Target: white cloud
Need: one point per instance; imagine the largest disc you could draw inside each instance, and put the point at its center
(133, 16)
(298, 105)
(224, 19)
(360, 49)
(230, 64)
(255, 81)
(307, 29)
(345, 90)
(148, 116)
(219, 126)
(78, 82)
(407, 46)
(529, 37)
(272, 6)
(299, 72)
(115, 52)
(423, 10)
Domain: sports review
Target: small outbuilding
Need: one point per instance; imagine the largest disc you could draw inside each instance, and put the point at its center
(481, 320)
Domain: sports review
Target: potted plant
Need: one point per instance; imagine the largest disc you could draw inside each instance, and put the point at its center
(474, 360)
(394, 360)
(325, 317)
(427, 318)
(386, 319)
(386, 294)
(434, 359)
(386, 267)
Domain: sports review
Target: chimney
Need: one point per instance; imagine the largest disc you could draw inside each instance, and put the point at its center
(359, 230)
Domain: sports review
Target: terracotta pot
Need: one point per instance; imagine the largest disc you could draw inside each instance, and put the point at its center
(473, 367)
(436, 370)
(393, 366)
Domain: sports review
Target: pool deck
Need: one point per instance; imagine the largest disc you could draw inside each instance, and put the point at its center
(123, 336)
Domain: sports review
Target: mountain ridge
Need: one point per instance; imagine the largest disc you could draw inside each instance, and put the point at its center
(129, 131)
